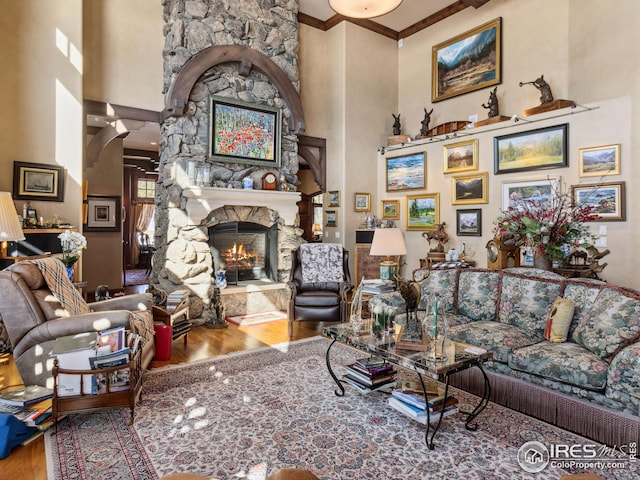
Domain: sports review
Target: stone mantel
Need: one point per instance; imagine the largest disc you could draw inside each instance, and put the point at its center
(203, 200)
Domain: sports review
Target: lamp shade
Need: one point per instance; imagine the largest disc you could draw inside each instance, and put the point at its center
(363, 8)
(388, 242)
(10, 229)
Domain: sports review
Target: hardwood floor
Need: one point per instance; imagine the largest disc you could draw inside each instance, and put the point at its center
(203, 342)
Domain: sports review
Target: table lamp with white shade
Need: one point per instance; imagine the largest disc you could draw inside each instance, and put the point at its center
(10, 228)
(388, 242)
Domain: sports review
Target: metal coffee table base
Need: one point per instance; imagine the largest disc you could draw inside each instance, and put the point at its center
(484, 400)
(429, 434)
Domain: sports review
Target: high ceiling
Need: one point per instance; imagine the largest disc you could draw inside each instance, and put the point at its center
(409, 17)
(408, 13)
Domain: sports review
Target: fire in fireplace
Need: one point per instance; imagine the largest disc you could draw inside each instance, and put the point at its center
(245, 250)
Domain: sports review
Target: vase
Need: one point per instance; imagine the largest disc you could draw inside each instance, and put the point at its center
(70, 273)
(542, 262)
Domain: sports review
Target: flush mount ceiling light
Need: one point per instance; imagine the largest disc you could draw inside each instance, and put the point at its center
(363, 8)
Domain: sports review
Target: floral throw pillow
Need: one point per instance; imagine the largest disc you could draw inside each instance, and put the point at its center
(612, 323)
(559, 320)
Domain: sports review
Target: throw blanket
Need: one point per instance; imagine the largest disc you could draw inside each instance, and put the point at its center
(321, 262)
(55, 275)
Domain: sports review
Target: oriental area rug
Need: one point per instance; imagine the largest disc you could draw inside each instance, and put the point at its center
(246, 415)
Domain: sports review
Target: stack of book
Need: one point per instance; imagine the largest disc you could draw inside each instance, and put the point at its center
(370, 374)
(376, 286)
(177, 301)
(31, 405)
(175, 298)
(95, 351)
(411, 402)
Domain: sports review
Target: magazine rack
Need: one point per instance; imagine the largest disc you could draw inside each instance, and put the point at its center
(87, 401)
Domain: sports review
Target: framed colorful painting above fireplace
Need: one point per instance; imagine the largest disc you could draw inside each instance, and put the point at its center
(242, 132)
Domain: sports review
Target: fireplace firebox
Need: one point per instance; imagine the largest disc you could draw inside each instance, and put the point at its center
(246, 251)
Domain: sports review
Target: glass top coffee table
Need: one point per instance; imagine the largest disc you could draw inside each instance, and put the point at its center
(459, 356)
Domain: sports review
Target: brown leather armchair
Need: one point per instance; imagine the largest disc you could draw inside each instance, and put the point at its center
(317, 301)
(32, 318)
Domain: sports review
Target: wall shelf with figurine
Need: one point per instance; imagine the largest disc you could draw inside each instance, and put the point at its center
(567, 108)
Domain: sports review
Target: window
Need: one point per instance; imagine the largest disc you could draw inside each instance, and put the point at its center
(146, 188)
(316, 200)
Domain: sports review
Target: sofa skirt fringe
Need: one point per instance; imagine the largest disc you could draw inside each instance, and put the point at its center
(573, 414)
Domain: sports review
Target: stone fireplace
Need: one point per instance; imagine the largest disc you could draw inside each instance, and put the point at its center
(248, 51)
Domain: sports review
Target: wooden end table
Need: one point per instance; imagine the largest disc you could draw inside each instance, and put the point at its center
(176, 316)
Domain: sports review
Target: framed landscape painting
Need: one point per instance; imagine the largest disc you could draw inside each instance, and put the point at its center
(469, 222)
(38, 181)
(423, 211)
(467, 62)
(330, 218)
(469, 188)
(461, 156)
(599, 161)
(408, 172)
(515, 194)
(362, 202)
(390, 209)
(531, 150)
(242, 132)
(334, 198)
(607, 198)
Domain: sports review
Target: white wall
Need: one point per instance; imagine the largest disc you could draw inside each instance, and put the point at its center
(41, 96)
(539, 37)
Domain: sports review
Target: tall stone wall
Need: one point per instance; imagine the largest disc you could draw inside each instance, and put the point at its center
(268, 26)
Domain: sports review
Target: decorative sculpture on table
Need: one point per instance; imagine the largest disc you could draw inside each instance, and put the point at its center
(439, 235)
(436, 254)
(411, 336)
(492, 104)
(424, 125)
(545, 90)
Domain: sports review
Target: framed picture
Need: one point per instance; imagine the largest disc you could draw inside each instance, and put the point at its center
(333, 199)
(599, 161)
(407, 172)
(532, 150)
(469, 189)
(461, 156)
(330, 218)
(390, 209)
(362, 202)
(103, 214)
(242, 132)
(38, 181)
(423, 211)
(467, 62)
(515, 194)
(608, 198)
(469, 222)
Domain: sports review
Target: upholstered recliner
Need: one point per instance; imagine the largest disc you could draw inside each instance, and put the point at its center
(33, 318)
(318, 284)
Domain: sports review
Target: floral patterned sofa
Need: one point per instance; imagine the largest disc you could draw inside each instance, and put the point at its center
(589, 384)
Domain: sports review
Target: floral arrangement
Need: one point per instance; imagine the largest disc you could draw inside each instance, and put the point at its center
(553, 228)
(72, 244)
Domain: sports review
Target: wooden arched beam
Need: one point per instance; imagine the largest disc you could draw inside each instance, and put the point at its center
(118, 129)
(317, 164)
(248, 58)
